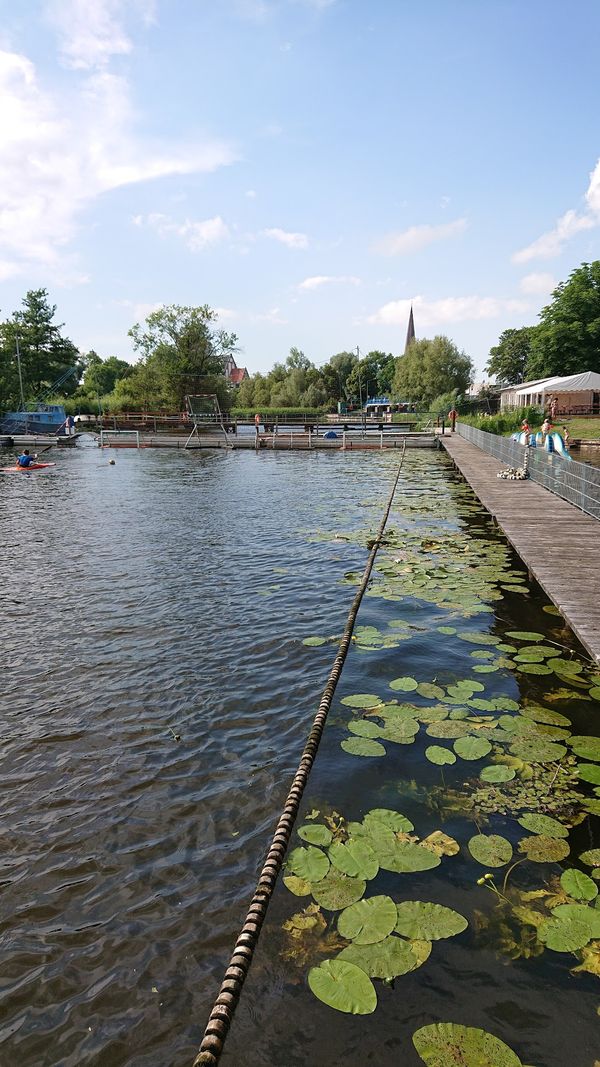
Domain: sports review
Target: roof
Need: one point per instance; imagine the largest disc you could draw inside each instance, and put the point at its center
(571, 383)
(527, 386)
(237, 375)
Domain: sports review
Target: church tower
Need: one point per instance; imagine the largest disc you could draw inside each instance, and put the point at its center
(410, 333)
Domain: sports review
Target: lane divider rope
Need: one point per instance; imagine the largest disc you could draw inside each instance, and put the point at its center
(221, 1016)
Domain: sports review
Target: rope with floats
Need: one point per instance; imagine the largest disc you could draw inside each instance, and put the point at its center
(224, 1007)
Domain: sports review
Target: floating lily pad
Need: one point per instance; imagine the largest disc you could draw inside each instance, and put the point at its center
(309, 863)
(313, 642)
(543, 824)
(479, 638)
(566, 666)
(497, 772)
(594, 692)
(487, 668)
(300, 887)
(440, 843)
(343, 986)
(394, 820)
(534, 668)
(315, 834)
(430, 690)
(490, 850)
(591, 857)
(550, 609)
(564, 934)
(362, 746)
(472, 748)
(524, 635)
(362, 700)
(389, 958)
(440, 756)
(405, 857)
(338, 891)
(586, 747)
(545, 715)
(578, 885)
(544, 849)
(354, 857)
(428, 922)
(448, 630)
(448, 728)
(537, 751)
(445, 1044)
(364, 728)
(591, 806)
(404, 685)
(368, 921)
(400, 731)
(589, 772)
(581, 912)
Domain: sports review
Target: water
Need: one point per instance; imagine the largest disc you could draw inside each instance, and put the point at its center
(158, 695)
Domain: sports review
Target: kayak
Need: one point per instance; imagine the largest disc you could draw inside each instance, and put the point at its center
(31, 467)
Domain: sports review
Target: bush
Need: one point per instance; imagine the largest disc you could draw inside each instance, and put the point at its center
(271, 413)
(507, 422)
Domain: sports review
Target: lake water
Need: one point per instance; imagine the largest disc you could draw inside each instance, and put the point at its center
(157, 696)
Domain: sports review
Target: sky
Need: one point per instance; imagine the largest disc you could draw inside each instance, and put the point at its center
(308, 168)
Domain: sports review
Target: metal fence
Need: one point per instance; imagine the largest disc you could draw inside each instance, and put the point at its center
(578, 483)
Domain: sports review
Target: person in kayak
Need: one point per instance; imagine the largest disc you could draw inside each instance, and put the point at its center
(25, 460)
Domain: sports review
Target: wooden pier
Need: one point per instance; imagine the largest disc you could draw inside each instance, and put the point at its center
(559, 545)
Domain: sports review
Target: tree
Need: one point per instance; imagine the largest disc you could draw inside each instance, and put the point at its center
(45, 355)
(371, 376)
(567, 338)
(335, 375)
(101, 375)
(430, 369)
(509, 358)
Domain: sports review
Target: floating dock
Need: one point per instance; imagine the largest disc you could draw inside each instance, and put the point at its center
(283, 441)
(559, 544)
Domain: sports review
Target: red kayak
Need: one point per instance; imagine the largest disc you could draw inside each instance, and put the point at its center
(31, 467)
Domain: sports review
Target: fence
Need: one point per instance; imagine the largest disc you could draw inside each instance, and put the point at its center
(575, 482)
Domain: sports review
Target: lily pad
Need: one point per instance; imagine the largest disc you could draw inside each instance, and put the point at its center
(354, 857)
(545, 715)
(405, 857)
(537, 751)
(430, 690)
(448, 630)
(440, 843)
(428, 922)
(448, 1044)
(564, 934)
(582, 912)
(586, 747)
(315, 834)
(368, 921)
(400, 731)
(534, 668)
(438, 755)
(490, 850)
(313, 642)
(497, 772)
(448, 728)
(591, 857)
(389, 958)
(300, 887)
(472, 748)
(343, 986)
(362, 746)
(543, 849)
(338, 891)
(524, 635)
(364, 728)
(578, 885)
(362, 700)
(309, 863)
(394, 820)
(543, 824)
(589, 772)
(404, 685)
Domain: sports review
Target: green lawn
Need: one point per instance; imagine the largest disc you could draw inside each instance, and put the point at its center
(580, 429)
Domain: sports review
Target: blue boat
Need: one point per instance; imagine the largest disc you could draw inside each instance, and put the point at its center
(44, 419)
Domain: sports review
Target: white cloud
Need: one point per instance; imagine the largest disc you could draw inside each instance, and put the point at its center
(593, 193)
(196, 235)
(291, 240)
(326, 279)
(226, 314)
(273, 316)
(417, 237)
(541, 283)
(551, 244)
(63, 149)
(140, 309)
(449, 309)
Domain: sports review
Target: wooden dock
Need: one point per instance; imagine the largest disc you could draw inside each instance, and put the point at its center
(559, 545)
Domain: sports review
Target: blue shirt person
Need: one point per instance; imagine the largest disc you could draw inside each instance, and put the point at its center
(25, 460)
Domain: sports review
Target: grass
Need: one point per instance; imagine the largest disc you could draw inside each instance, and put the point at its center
(580, 429)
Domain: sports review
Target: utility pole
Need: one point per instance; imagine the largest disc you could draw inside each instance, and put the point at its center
(359, 382)
(20, 374)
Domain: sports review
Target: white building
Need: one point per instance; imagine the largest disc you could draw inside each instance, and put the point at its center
(575, 394)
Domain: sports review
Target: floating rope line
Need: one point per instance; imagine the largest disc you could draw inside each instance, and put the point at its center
(222, 1013)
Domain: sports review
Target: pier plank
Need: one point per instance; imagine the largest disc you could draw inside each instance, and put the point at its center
(558, 544)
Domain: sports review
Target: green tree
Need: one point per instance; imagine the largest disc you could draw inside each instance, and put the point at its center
(335, 375)
(567, 338)
(45, 354)
(101, 375)
(509, 358)
(371, 376)
(432, 368)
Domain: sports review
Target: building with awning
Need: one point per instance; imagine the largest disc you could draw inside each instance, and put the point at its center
(574, 394)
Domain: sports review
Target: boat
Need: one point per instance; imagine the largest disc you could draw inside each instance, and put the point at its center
(31, 467)
(46, 419)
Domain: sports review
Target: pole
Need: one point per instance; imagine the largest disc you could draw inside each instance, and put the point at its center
(20, 374)
(359, 382)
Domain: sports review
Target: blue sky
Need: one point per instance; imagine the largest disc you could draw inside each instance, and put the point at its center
(308, 167)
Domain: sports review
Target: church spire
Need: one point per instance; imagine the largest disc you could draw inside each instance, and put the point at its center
(410, 333)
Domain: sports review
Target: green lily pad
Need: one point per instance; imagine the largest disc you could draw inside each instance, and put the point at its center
(543, 849)
(566, 666)
(362, 700)
(309, 863)
(564, 934)
(586, 747)
(313, 642)
(446, 1044)
(524, 635)
(591, 806)
(448, 728)
(428, 922)
(368, 921)
(591, 857)
(537, 751)
(550, 609)
(479, 638)
(482, 653)
(534, 668)
(405, 857)
(472, 748)
(449, 630)
(298, 886)
(487, 668)
(543, 824)
(496, 772)
(354, 857)
(430, 690)
(315, 834)
(581, 912)
(400, 731)
(388, 958)
(364, 728)
(544, 715)
(594, 692)
(337, 891)
(362, 746)
(440, 756)
(589, 772)
(578, 885)
(404, 685)
(394, 820)
(490, 850)
(343, 986)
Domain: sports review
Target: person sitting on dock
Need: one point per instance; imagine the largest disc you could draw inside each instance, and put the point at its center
(25, 459)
